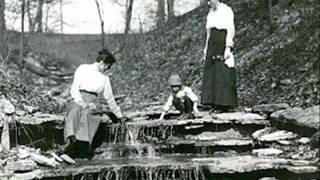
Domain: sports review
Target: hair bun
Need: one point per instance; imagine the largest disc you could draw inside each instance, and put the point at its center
(104, 52)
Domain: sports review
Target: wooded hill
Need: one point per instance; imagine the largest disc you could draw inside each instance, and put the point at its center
(277, 66)
(281, 65)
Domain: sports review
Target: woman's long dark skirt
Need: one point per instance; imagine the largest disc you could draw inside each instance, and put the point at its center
(219, 81)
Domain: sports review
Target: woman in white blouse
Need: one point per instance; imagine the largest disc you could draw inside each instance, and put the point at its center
(219, 80)
(89, 84)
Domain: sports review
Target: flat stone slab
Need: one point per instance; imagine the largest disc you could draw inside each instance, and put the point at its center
(239, 117)
(211, 143)
(216, 165)
(40, 118)
(278, 135)
(207, 136)
(21, 165)
(269, 108)
(37, 119)
(224, 118)
(267, 152)
(227, 142)
(300, 117)
(261, 132)
(150, 113)
(269, 134)
(242, 164)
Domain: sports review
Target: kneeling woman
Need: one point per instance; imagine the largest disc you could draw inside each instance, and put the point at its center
(219, 80)
(89, 84)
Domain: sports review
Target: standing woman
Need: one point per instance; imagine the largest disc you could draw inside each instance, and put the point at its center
(219, 80)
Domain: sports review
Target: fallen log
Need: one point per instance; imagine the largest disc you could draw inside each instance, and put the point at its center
(40, 159)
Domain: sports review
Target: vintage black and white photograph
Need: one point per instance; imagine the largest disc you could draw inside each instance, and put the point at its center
(159, 89)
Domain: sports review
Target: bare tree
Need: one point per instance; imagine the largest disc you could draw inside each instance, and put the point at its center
(46, 29)
(170, 9)
(39, 12)
(266, 6)
(38, 18)
(22, 32)
(161, 13)
(271, 27)
(2, 27)
(30, 18)
(140, 26)
(61, 16)
(100, 12)
(129, 5)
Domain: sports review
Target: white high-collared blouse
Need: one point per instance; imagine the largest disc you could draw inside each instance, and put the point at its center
(87, 77)
(222, 18)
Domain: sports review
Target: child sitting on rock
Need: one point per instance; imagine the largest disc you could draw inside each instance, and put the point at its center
(182, 98)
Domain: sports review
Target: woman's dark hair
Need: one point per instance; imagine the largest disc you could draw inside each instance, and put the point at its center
(105, 56)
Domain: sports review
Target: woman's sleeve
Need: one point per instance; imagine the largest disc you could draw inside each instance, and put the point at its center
(108, 95)
(75, 91)
(230, 28)
(207, 34)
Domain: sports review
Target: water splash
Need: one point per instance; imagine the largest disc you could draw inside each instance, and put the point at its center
(148, 173)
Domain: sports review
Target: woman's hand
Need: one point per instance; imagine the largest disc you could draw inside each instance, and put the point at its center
(82, 104)
(92, 106)
(227, 53)
(203, 58)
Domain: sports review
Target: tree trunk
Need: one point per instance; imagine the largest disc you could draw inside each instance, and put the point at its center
(266, 9)
(46, 29)
(170, 8)
(30, 20)
(39, 14)
(129, 6)
(61, 16)
(22, 32)
(2, 28)
(161, 13)
(141, 31)
(271, 28)
(101, 23)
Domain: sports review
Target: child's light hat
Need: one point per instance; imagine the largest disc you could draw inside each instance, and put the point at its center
(175, 80)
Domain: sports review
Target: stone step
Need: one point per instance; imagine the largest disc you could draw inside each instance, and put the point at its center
(204, 167)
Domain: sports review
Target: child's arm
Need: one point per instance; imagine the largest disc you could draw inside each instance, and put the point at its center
(162, 116)
(166, 107)
(194, 99)
(195, 107)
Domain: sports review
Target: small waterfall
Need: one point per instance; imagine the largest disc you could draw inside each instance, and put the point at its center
(125, 133)
(151, 153)
(149, 173)
(132, 135)
(128, 141)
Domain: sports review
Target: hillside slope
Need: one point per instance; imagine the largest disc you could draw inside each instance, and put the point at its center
(277, 67)
(282, 66)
